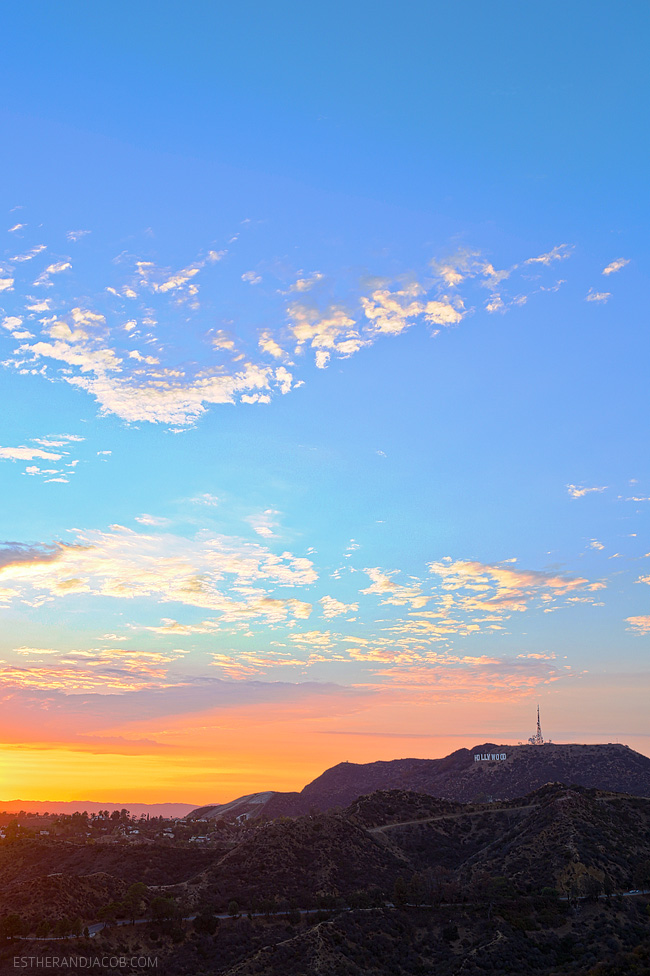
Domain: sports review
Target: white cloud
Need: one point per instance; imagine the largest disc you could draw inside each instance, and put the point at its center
(470, 596)
(205, 499)
(390, 313)
(153, 520)
(640, 624)
(27, 454)
(268, 344)
(221, 340)
(558, 253)
(11, 322)
(393, 593)
(158, 395)
(264, 523)
(251, 277)
(334, 608)
(76, 235)
(89, 350)
(615, 266)
(219, 573)
(579, 491)
(331, 331)
(56, 268)
(176, 280)
(6, 284)
(305, 284)
(598, 296)
(29, 255)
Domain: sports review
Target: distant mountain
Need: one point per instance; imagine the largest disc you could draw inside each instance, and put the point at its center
(92, 806)
(459, 777)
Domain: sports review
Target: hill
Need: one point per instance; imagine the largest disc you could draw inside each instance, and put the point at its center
(397, 884)
(458, 777)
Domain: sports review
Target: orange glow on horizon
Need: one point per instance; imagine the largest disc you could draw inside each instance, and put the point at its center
(218, 755)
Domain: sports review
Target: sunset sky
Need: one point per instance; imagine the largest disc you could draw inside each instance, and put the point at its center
(324, 344)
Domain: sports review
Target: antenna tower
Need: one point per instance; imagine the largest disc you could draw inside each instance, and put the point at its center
(538, 738)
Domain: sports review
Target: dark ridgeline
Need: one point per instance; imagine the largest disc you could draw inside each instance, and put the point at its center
(457, 777)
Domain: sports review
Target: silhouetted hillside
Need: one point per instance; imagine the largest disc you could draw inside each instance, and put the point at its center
(457, 777)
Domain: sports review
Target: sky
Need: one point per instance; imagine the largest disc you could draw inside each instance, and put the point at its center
(323, 426)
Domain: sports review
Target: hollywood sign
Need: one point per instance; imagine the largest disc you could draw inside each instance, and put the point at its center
(484, 756)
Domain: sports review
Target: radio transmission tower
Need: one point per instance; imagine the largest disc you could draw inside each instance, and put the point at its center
(538, 738)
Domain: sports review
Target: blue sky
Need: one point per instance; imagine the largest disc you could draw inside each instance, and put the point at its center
(324, 378)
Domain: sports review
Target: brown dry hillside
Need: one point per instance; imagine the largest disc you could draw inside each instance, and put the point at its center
(548, 839)
(458, 777)
(24, 860)
(61, 896)
(300, 860)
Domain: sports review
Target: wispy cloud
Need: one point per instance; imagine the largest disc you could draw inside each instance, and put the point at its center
(334, 608)
(579, 491)
(211, 572)
(639, 625)
(468, 597)
(92, 349)
(29, 255)
(52, 269)
(481, 678)
(205, 499)
(391, 592)
(307, 282)
(251, 277)
(559, 253)
(27, 454)
(598, 296)
(107, 670)
(615, 266)
(264, 523)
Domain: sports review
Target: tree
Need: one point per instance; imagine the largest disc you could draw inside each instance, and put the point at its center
(108, 913)
(11, 926)
(592, 887)
(416, 889)
(400, 890)
(134, 900)
(43, 929)
(233, 908)
(76, 926)
(642, 875)
(206, 923)
(162, 909)
(62, 928)
(12, 829)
